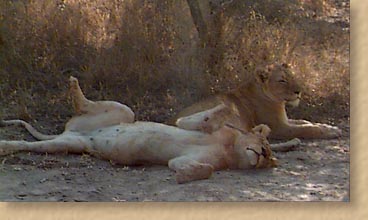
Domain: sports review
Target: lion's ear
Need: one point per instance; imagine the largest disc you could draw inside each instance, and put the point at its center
(262, 129)
(263, 74)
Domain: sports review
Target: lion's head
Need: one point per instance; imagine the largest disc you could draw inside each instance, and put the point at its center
(253, 149)
(279, 84)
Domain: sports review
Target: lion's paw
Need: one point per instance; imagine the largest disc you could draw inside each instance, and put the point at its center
(193, 172)
(330, 131)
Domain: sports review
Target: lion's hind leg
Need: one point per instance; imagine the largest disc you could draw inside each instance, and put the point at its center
(81, 104)
(188, 169)
(105, 110)
(57, 145)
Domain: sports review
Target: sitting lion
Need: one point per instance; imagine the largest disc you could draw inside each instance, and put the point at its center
(106, 129)
(261, 100)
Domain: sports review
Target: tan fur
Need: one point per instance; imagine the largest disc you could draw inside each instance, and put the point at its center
(261, 100)
(193, 155)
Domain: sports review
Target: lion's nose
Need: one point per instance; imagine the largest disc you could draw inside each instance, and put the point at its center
(297, 93)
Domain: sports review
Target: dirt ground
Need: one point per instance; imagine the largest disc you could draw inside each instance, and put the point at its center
(315, 171)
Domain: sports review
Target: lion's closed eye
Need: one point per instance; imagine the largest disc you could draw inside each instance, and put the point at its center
(283, 81)
(264, 153)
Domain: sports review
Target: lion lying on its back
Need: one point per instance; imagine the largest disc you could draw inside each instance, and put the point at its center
(262, 100)
(106, 129)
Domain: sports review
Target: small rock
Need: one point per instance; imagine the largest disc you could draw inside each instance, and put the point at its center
(37, 192)
(294, 173)
(116, 199)
(43, 180)
(125, 168)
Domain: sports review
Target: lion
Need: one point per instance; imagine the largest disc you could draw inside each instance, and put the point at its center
(261, 100)
(193, 155)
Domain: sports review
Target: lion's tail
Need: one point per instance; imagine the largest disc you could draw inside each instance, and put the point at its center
(38, 135)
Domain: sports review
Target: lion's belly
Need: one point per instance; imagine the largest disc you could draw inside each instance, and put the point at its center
(144, 142)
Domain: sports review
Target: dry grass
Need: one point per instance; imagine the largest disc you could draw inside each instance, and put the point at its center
(146, 54)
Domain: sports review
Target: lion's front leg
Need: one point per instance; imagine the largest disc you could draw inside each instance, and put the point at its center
(307, 131)
(298, 122)
(188, 169)
(210, 120)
